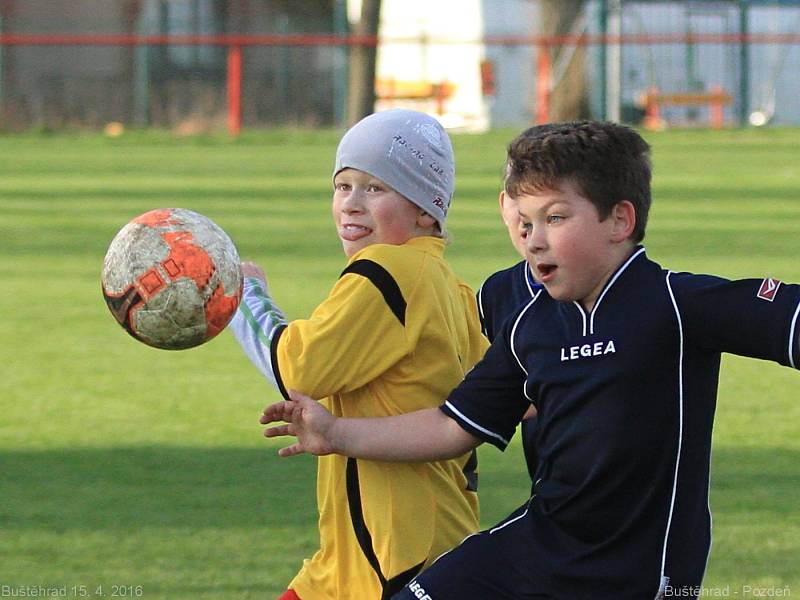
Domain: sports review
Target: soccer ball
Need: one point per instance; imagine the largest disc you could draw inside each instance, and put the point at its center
(172, 278)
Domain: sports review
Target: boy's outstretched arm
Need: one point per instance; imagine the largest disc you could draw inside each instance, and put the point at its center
(257, 321)
(424, 435)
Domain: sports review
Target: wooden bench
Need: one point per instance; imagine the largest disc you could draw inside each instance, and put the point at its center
(392, 89)
(716, 99)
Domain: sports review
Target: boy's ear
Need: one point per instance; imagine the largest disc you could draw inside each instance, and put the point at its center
(425, 221)
(623, 215)
(501, 200)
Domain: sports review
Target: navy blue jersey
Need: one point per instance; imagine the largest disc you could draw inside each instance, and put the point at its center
(501, 296)
(626, 397)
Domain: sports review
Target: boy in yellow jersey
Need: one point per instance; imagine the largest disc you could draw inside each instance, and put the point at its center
(396, 333)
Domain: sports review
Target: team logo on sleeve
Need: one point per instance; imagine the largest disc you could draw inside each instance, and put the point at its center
(768, 290)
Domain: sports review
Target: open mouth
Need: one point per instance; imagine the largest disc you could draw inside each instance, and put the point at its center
(545, 272)
(352, 232)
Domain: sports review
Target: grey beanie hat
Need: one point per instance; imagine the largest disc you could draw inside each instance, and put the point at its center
(407, 150)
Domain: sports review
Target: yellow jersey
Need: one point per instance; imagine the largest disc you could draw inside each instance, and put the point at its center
(396, 334)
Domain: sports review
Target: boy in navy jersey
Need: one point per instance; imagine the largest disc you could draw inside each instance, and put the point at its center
(501, 295)
(621, 359)
(506, 290)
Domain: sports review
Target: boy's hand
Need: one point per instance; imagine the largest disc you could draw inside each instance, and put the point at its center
(306, 419)
(251, 269)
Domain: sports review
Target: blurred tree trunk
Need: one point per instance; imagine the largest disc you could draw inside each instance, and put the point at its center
(361, 79)
(569, 99)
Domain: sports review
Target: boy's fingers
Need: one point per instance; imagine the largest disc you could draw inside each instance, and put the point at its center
(299, 397)
(251, 269)
(280, 411)
(292, 450)
(277, 431)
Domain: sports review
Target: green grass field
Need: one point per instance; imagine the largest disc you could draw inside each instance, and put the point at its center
(122, 465)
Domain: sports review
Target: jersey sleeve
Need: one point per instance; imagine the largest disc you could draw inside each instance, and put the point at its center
(355, 335)
(490, 402)
(757, 318)
(255, 324)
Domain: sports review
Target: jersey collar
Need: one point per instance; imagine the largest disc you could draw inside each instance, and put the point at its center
(588, 320)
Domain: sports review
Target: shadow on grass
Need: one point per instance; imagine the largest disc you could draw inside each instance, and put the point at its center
(229, 487)
(245, 518)
(125, 488)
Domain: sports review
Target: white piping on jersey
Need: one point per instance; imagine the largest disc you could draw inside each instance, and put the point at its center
(491, 531)
(608, 286)
(510, 521)
(680, 425)
(514, 331)
(528, 274)
(463, 417)
(514, 351)
(454, 547)
(480, 305)
(791, 337)
(582, 314)
(710, 517)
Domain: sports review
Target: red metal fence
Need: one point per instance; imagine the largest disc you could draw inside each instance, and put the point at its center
(237, 46)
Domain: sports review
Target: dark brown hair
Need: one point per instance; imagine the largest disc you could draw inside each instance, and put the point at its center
(608, 162)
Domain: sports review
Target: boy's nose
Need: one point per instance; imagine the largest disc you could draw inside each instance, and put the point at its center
(353, 202)
(535, 240)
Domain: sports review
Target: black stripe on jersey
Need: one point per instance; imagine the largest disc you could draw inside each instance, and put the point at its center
(357, 517)
(397, 583)
(471, 471)
(273, 355)
(383, 280)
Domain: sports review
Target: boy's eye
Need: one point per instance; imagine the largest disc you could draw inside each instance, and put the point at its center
(342, 187)
(374, 188)
(554, 219)
(525, 227)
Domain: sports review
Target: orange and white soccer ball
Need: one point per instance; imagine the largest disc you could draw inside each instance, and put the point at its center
(172, 278)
